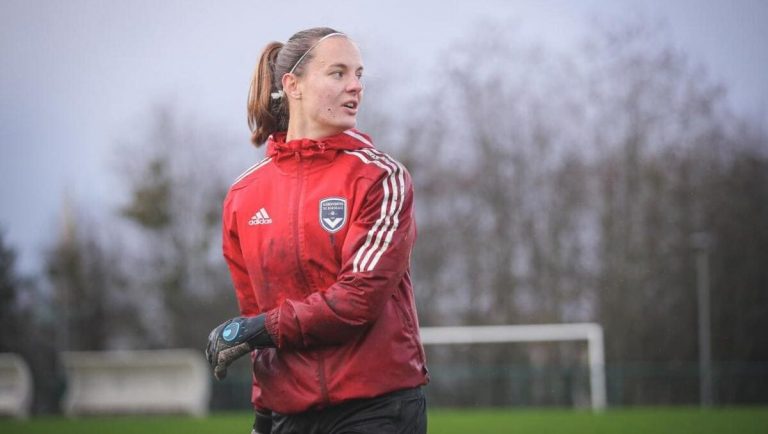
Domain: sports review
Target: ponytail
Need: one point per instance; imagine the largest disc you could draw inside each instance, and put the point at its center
(265, 114)
(268, 114)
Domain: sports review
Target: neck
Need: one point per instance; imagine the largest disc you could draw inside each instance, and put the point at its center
(299, 130)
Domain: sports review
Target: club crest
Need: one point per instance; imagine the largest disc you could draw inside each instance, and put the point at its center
(333, 213)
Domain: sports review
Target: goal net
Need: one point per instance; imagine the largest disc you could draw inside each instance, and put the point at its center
(589, 333)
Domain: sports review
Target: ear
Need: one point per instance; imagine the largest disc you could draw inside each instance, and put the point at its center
(291, 86)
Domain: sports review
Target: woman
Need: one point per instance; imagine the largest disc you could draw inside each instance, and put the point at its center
(318, 237)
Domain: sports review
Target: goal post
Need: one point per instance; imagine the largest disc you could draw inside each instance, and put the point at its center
(592, 333)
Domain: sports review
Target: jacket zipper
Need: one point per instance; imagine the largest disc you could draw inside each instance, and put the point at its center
(320, 359)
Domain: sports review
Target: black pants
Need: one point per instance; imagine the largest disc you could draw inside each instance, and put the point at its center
(401, 412)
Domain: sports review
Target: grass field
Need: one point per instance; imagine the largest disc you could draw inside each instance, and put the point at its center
(443, 421)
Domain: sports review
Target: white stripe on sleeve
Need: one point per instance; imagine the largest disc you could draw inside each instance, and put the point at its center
(400, 188)
(380, 234)
(252, 169)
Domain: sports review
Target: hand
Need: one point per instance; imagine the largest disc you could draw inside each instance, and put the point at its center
(234, 339)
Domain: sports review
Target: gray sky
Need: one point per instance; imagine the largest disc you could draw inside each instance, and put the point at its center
(78, 75)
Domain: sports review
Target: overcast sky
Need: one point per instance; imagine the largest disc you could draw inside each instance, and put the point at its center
(78, 75)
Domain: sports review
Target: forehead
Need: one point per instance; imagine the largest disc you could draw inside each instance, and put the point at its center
(337, 50)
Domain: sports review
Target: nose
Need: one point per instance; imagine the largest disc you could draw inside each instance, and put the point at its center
(355, 85)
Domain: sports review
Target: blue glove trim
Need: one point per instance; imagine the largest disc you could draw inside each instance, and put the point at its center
(230, 332)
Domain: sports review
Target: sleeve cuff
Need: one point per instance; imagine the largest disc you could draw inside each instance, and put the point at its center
(272, 325)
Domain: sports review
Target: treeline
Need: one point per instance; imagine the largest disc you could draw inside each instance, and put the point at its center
(551, 187)
(558, 188)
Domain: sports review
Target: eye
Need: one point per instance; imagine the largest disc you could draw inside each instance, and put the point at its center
(337, 74)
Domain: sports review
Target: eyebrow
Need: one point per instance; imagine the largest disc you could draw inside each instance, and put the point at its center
(343, 66)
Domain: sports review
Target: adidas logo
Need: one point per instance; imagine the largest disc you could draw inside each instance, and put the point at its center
(260, 218)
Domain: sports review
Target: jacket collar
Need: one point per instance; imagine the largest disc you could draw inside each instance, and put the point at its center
(348, 140)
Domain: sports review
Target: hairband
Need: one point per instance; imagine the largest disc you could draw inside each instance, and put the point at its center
(312, 47)
(279, 94)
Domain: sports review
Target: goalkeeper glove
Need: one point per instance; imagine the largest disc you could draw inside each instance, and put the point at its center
(233, 339)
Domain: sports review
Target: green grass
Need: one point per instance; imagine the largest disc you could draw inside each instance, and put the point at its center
(634, 421)
(442, 421)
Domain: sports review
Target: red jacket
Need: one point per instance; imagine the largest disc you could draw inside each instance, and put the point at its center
(319, 235)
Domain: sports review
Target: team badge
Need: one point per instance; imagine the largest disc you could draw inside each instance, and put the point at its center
(333, 213)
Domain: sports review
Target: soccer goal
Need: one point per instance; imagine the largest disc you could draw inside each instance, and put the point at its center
(590, 332)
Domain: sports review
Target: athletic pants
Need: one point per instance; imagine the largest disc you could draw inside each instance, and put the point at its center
(400, 412)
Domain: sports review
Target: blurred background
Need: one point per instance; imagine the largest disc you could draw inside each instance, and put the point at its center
(593, 161)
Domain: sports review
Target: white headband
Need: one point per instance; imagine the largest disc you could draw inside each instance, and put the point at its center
(279, 94)
(312, 47)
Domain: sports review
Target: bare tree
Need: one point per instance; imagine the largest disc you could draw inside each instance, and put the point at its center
(565, 187)
(176, 180)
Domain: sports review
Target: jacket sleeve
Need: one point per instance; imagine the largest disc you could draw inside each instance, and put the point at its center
(375, 255)
(246, 298)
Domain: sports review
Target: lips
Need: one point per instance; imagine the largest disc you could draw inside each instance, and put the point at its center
(352, 105)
